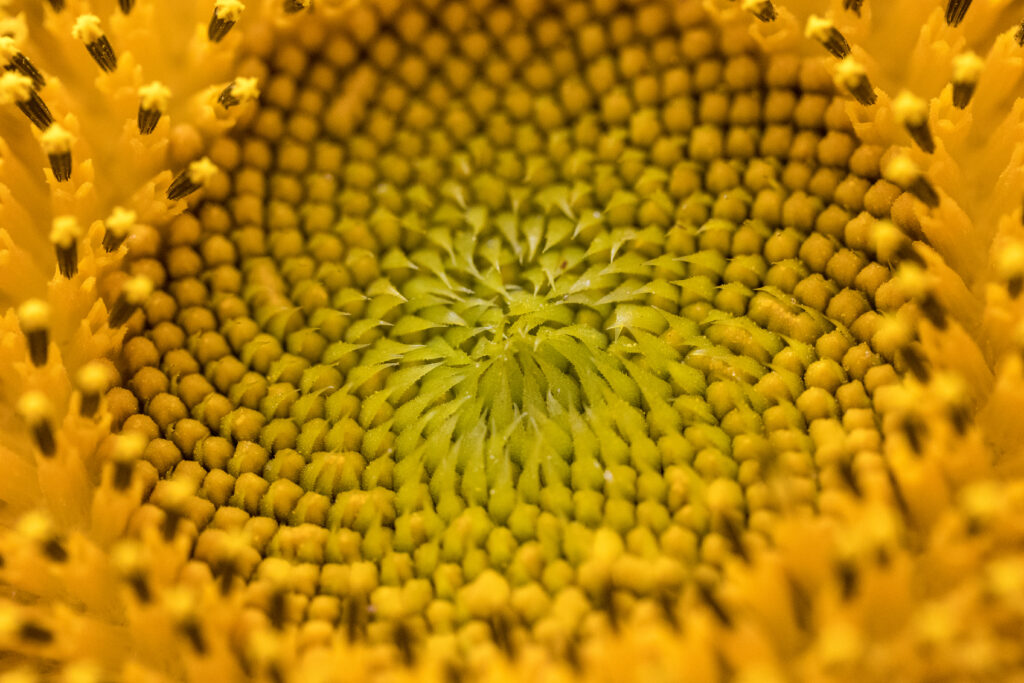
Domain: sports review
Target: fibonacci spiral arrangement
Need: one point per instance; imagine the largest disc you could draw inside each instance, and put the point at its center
(540, 340)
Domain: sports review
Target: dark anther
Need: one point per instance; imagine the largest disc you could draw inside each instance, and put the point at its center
(801, 603)
(25, 67)
(923, 190)
(122, 470)
(1015, 285)
(138, 583)
(404, 643)
(764, 10)
(43, 434)
(853, 6)
(60, 164)
(55, 551)
(849, 476)
(932, 310)
(182, 186)
(57, 5)
(36, 111)
(190, 627)
(502, 633)
(962, 93)
(955, 11)
(712, 602)
(35, 633)
(147, 120)
(103, 53)
(293, 6)
(38, 343)
(277, 610)
(1019, 35)
(126, 5)
(218, 28)
(848, 579)
(922, 135)
(916, 362)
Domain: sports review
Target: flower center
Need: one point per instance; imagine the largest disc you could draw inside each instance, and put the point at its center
(501, 310)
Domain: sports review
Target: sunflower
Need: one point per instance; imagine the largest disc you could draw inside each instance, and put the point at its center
(471, 340)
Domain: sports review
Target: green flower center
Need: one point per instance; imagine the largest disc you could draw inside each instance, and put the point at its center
(503, 308)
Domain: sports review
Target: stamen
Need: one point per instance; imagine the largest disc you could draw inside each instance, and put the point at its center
(902, 171)
(16, 61)
(912, 112)
(850, 74)
(34, 319)
(38, 528)
(955, 11)
(92, 379)
(917, 284)
(64, 234)
(16, 88)
(126, 5)
(1019, 35)
(127, 451)
(57, 5)
(131, 565)
(825, 32)
(153, 99)
(293, 6)
(853, 6)
(118, 225)
(37, 411)
(56, 142)
(1010, 267)
(967, 69)
(239, 91)
(134, 293)
(191, 179)
(762, 9)
(225, 15)
(87, 29)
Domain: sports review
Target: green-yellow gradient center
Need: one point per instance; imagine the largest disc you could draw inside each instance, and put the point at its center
(524, 316)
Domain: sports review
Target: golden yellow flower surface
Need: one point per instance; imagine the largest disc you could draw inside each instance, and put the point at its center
(533, 340)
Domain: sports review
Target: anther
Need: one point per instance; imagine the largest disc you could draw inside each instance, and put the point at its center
(118, 225)
(92, 380)
(891, 246)
(134, 293)
(955, 11)
(762, 9)
(128, 448)
(850, 74)
(912, 112)
(225, 16)
(293, 6)
(916, 282)
(825, 32)
(1019, 35)
(967, 69)
(903, 172)
(239, 91)
(37, 633)
(191, 178)
(16, 88)
(126, 5)
(153, 99)
(56, 142)
(14, 60)
(1010, 268)
(34, 318)
(87, 29)
(129, 562)
(57, 5)
(64, 234)
(38, 528)
(853, 6)
(37, 411)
